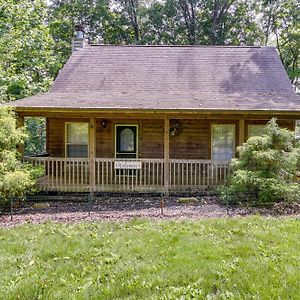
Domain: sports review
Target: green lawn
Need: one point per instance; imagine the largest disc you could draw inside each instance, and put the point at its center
(242, 258)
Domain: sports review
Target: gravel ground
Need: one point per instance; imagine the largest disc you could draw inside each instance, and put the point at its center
(120, 209)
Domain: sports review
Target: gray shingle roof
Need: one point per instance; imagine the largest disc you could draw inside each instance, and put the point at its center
(170, 77)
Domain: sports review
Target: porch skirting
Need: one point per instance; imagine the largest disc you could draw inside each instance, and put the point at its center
(146, 175)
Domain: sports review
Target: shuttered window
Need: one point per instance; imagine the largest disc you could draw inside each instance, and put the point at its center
(223, 141)
(77, 138)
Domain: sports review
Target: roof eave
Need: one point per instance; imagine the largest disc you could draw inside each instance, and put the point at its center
(151, 110)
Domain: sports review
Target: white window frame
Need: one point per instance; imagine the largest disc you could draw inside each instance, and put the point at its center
(211, 138)
(66, 139)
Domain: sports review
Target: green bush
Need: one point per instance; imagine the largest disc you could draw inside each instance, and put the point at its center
(16, 177)
(266, 169)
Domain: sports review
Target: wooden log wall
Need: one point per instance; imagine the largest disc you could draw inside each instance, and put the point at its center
(194, 142)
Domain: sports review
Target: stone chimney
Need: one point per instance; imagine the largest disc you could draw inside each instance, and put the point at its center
(78, 41)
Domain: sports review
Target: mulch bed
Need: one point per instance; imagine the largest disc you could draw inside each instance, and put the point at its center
(123, 209)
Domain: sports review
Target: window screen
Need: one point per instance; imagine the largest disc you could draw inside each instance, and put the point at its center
(223, 141)
(77, 139)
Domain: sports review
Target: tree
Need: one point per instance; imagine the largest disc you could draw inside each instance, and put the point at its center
(99, 21)
(36, 141)
(281, 26)
(130, 11)
(27, 64)
(16, 178)
(266, 168)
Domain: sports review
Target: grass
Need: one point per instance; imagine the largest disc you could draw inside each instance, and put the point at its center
(242, 258)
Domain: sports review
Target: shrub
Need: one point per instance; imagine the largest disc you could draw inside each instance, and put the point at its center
(266, 169)
(16, 177)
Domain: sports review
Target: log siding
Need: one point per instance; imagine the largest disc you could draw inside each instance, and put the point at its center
(194, 142)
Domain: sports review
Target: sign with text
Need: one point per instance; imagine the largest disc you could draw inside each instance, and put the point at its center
(120, 164)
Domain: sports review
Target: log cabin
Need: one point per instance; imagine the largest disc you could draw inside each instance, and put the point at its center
(156, 118)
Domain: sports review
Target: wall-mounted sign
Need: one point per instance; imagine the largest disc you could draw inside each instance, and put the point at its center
(120, 164)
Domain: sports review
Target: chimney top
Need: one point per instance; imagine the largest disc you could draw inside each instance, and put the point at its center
(79, 27)
(78, 41)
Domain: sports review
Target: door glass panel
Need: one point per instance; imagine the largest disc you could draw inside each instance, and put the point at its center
(127, 139)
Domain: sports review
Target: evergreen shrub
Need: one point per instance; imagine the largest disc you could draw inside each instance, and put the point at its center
(266, 169)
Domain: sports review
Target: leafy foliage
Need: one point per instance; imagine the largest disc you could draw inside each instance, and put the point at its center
(28, 63)
(36, 37)
(266, 169)
(36, 142)
(281, 25)
(212, 22)
(16, 178)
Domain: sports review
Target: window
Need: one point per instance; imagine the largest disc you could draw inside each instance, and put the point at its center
(223, 141)
(77, 137)
(297, 129)
(256, 130)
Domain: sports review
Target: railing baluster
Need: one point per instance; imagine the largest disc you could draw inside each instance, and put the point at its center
(141, 175)
(98, 174)
(66, 174)
(144, 174)
(78, 181)
(152, 171)
(110, 173)
(102, 175)
(106, 172)
(200, 173)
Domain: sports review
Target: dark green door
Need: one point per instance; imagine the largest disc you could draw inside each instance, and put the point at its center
(126, 141)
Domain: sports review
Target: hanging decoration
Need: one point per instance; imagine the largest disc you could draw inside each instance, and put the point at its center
(175, 128)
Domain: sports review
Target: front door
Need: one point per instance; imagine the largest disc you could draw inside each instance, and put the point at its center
(126, 141)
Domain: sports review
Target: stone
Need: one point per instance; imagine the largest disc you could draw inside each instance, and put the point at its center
(41, 205)
(188, 200)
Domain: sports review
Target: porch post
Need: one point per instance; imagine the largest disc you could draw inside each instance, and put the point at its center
(92, 154)
(241, 132)
(166, 155)
(20, 147)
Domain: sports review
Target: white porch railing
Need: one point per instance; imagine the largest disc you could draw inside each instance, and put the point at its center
(62, 174)
(150, 177)
(197, 174)
(74, 174)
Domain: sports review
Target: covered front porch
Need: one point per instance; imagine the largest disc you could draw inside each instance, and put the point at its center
(134, 153)
(141, 152)
(129, 175)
